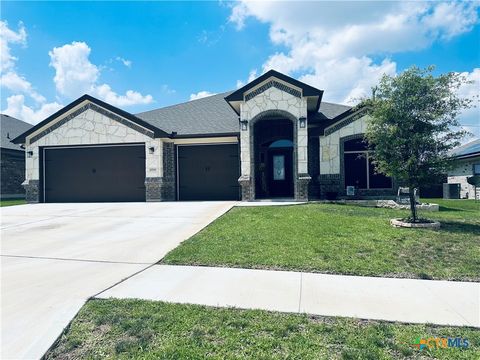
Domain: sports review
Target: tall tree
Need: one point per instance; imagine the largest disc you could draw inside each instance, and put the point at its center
(414, 124)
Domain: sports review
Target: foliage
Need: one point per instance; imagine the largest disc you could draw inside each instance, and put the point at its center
(414, 125)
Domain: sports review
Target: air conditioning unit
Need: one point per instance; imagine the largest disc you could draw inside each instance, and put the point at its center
(350, 190)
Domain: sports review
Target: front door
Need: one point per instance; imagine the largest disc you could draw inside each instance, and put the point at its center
(280, 172)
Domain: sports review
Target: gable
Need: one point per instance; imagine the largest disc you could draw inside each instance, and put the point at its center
(90, 124)
(272, 78)
(80, 105)
(94, 109)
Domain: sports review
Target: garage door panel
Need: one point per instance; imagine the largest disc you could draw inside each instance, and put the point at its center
(88, 174)
(208, 172)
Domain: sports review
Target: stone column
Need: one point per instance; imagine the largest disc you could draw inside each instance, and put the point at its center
(245, 179)
(32, 190)
(167, 183)
(153, 186)
(303, 178)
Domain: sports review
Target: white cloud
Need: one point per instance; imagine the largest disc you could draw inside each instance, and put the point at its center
(7, 37)
(334, 47)
(15, 83)
(75, 75)
(470, 119)
(130, 98)
(16, 107)
(201, 94)
(127, 63)
(451, 19)
(9, 78)
(252, 75)
(165, 89)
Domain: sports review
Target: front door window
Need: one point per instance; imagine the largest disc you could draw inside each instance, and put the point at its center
(278, 167)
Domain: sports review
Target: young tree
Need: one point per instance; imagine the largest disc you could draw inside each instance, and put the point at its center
(414, 125)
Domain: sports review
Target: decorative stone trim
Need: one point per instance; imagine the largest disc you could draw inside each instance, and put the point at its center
(98, 109)
(168, 190)
(328, 177)
(32, 191)
(153, 187)
(246, 188)
(273, 113)
(276, 84)
(426, 225)
(302, 187)
(345, 122)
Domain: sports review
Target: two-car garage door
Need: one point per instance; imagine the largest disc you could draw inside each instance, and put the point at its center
(94, 173)
(105, 173)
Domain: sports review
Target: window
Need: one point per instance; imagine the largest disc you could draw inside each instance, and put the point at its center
(359, 168)
(476, 169)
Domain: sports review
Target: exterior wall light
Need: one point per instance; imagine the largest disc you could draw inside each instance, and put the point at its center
(244, 124)
(29, 154)
(303, 122)
(151, 150)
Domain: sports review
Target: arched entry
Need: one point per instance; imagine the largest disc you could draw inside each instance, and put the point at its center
(274, 158)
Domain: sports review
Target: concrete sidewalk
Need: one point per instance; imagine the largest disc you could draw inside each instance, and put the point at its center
(404, 300)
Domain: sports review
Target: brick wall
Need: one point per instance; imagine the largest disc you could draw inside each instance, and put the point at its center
(12, 172)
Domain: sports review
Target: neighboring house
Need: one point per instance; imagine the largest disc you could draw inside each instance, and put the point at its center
(272, 138)
(12, 158)
(467, 163)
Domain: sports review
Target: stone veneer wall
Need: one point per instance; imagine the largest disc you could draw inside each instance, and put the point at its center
(459, 174)
(313, 167)
(270, 99)
(169, 192)
(332, 172)
(12, 164)
(91, 125)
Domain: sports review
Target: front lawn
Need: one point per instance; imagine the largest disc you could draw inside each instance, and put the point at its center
(138, 329)
(12, 202)
(341, 239)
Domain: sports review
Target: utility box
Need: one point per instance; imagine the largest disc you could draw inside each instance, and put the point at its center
(451, 191)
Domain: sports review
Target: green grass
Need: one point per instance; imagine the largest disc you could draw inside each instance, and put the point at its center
(138, 329)
(12, 202)
(341, 239)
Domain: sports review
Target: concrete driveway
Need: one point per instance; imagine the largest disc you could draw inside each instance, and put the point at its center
(56, 256)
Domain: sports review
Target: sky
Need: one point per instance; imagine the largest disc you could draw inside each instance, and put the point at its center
(145, 55)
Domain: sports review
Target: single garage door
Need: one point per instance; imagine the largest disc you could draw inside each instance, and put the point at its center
(208, 172)
(94, 173)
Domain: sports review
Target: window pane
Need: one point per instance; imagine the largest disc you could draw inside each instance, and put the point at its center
(278, 167)
(356, 170)
(355, 145)
(378, 181)
(476, 169)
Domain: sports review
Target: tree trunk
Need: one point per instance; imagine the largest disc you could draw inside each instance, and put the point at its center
(413, 203)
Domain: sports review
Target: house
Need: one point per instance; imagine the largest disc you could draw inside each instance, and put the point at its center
(12, 158)
(467, 163)
(272, 138)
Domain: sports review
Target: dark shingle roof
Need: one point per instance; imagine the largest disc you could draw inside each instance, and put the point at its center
(208, 115)
(10, 129)
(467, 150)
(213, 115)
